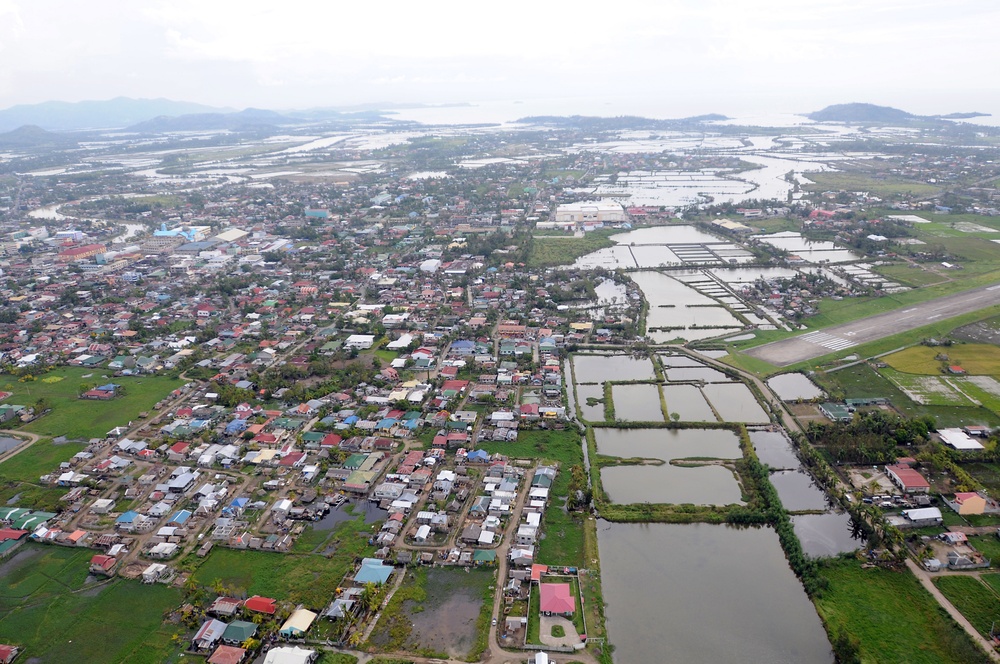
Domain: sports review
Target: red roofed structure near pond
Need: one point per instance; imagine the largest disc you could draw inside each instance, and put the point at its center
(556, 599)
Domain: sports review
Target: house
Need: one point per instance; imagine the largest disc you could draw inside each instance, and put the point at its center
(209, 634)
(238, 632)
(959, 440)
(907, 479)
(227, 655)
(968, 503)
(101, 564)
(225, 607)
(924, 516)
(373, 571)
(290, 655)
(298, 623)
(8, 653)
(260, 604)
(556, 599)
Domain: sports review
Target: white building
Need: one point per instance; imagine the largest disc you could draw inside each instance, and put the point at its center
(360, 341)
(591, 213)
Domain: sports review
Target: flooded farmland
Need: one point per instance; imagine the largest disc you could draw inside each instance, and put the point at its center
(734, 402)
(792, 386)
(601, 368)
(774, 449)
(827, 534)
(637, 403)
(696, 592)
(688, 402)
(798, 491)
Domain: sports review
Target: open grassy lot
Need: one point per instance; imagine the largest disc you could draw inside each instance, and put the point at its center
(976, 359)
(307, 579)
(19, 474)
(861, 381)
(909, 274)
(977, 601)
(563, 531)
(892, 617)
(549, 250)
(80, 418)
(863, 182)
(47, 609)
(927, 390)
(989, 546)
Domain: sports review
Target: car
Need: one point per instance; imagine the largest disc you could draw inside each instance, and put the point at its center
(494, 622)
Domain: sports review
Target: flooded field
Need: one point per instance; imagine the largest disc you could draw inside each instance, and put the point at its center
(696, 592)
(601, 368)
(688, 402)
(703, 374)
(823, 535)
(667, 444)
(699, 485)
(734, 402)
(678, 310)
(637, 403)
(793, 386)
(441, 615)
(809, 250)
(798, 491)
(593, 413)
(774, 449)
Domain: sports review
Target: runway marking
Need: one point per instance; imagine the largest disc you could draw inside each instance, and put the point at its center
(828, 340)
(934, 316)
(993, 287)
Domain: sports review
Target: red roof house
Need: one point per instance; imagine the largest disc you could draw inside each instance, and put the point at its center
(556, 599)
(261, 605)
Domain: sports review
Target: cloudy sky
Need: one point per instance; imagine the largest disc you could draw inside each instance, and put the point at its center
(666, 57)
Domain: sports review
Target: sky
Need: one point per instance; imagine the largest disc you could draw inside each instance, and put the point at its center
(664, 58)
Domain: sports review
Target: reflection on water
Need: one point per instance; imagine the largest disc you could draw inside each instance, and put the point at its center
(705, 593)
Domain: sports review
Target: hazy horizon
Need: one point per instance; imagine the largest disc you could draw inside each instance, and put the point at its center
(664, 59)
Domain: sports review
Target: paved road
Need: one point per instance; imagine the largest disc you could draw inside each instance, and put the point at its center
(842, 337)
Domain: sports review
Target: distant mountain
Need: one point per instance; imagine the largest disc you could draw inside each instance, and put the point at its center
(245, 120)
(620, 122)
(107, 114)
(33, 136)
(865, 113)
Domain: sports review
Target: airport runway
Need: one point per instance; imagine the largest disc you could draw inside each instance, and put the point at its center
(841, 337)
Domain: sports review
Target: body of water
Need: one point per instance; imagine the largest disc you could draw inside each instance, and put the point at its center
(704, 593)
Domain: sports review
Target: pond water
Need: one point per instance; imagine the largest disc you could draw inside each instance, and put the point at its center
(673, 304)
(688, 402)
(681, 234)
(637, 403)
(336, 516)
(774, 449)
(7, 444)
(706, 374)
(699, 485)
(792, 386)
(824, 535)
(593, 413)
(798, 491)
(734, 402)
(809, 250)
(667, 444)
(679, 361)
(601, 368)
(705, 593)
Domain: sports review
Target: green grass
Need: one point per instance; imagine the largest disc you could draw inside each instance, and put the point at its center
(861, 381)
(977, 601)
(878, 186)
(976, 359)
(555, 250)
(908, 275)
(119, 622)
(930, 390)
(892, 617)
(563, 530)
(327, 657)
(989, 546)
(80, 418)
(307, 579)
(41, 458)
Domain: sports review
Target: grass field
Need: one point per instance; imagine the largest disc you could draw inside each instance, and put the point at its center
(976, 359)
(861, 381)
(892, 617)
(19, 475)
(547, 250)
(908, 275)
(927, 390)
(307, 579)
(563, 531)
(80, 418)
(876, 186)
(977, 601)
(121, 621)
